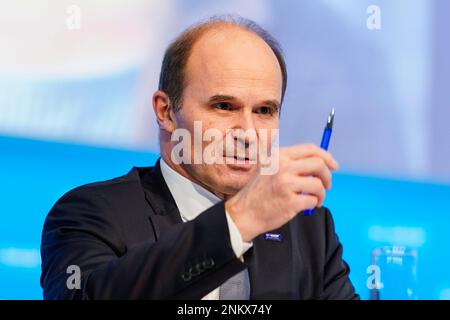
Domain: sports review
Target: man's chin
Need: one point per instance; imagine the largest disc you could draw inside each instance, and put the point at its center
(230, 190)
(233, 180)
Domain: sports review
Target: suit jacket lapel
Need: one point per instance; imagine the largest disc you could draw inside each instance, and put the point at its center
(160, 199)
(270, 267)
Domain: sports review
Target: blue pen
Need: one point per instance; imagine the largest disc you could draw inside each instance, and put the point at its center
(324, 144)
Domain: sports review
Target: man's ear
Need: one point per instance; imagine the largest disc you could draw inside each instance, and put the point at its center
(163, 111)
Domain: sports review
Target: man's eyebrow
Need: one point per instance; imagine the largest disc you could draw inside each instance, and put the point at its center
(271, 103)
(221, 97)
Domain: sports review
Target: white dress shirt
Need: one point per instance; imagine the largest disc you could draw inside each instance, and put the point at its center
(191, 200)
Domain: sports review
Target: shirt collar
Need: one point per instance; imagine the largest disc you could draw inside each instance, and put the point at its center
(191, 198)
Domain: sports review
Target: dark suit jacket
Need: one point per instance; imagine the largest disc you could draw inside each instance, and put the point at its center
(128, 239)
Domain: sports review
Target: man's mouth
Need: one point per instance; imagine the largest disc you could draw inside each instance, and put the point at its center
(240, 163)
(241, 158)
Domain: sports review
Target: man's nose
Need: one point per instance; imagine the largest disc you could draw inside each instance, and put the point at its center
(245, 130)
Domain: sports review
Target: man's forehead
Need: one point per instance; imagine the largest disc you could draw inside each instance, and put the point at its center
(226, 56)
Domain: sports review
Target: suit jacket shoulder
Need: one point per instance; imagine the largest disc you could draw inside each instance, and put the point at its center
(124, 236)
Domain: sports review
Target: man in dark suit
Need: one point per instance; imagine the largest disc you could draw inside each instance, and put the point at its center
(198, 229)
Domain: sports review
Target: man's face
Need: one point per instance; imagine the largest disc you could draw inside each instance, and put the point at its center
(233, 81)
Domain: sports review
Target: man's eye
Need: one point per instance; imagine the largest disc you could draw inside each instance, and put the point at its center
(223, 106)
(264, 110)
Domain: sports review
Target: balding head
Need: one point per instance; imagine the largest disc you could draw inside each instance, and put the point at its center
(173, 70)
